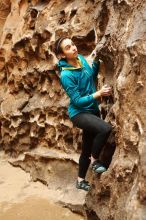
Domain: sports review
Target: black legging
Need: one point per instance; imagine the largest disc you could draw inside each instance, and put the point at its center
(95, 134)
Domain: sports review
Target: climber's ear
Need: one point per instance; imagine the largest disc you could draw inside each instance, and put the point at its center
(61, 56)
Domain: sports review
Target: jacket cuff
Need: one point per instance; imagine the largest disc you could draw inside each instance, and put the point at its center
(96, 59)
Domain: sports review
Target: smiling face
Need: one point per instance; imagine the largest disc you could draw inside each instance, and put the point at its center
(69, 49)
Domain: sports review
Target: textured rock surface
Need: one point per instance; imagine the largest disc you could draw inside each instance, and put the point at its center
(33, 104)
(21, 198)
(58, 172)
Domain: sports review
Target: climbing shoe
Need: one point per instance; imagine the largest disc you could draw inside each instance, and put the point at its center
(83, 185)
(97, 167)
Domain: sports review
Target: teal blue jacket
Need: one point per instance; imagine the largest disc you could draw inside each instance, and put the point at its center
(79, 84)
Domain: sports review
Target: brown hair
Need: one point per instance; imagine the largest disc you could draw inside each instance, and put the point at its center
(57, 48)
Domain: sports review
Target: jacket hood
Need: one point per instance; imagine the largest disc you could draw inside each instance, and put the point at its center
(63, 65)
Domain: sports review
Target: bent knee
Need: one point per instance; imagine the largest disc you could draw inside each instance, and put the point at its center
(107, 129)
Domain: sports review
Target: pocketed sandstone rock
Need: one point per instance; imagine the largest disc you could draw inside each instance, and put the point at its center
(34, 106)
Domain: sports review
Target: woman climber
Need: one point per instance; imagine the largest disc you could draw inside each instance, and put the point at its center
(78, 81)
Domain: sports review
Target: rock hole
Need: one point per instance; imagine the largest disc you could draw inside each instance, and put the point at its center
(73, 13)
(33, 142)
(136, 127)
(85, 44)
(33, 13)
(9, 36)
(92, 1)
(91, 215)
(40, 39)
(44, 1)
(62, 19)
(69, 140)
(41, 131)
(20, 44)
(105, 193)
(104, 18)
(46, 35)
(105, 106)
(108, 152)
(42, 118)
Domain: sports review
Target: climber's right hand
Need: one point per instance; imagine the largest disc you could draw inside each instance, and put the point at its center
(104, 91)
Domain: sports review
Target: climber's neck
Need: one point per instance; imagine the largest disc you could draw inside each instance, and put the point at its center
(73, 62)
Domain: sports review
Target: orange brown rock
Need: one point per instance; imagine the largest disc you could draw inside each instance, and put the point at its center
(33, 110)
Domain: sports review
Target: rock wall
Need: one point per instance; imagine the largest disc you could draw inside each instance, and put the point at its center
(33, 109)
